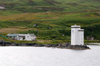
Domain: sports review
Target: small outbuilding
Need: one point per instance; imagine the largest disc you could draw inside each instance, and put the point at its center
(1, 8)
(27, 37)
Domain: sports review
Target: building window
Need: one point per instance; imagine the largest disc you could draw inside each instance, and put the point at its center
(27, 36)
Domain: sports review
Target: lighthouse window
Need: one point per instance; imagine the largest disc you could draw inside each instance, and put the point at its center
(73, 31)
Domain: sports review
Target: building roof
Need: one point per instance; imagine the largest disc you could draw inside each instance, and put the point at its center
(26, 34)
(22, 34)
(32, 35)
(1, 7)
(75, 26)
(12, 34)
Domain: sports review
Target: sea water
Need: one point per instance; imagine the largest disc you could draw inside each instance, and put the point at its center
(42, 56)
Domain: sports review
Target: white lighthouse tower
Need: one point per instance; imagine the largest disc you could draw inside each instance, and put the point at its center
(77, 35)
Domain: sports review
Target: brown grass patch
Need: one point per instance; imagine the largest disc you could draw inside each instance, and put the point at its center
(12, 30)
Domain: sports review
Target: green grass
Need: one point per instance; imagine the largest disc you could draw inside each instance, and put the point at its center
(53, 17)
(95, 41)
(50, 5)
(48, 28)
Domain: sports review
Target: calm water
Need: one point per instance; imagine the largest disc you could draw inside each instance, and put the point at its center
(41, 56)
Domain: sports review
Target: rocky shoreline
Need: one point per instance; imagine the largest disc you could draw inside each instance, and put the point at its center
(63, 46)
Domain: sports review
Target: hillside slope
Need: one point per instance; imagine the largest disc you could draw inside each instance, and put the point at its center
(52, 17)
(51, 25)
(20, 6)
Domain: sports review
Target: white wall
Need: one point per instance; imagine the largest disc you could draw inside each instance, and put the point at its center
(74, 36)
(81, 37)
(20, 38)
(29, 38)
(77, 35)
(33, 38)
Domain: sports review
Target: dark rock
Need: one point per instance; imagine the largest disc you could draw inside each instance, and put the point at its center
(80, 47)
(61, 46)
(38, 45)
(48, 45)
(65, 46)
(22, 44)
(13, 44)
(86, 47)
(8, 43)
(30, 44)
(54, 45)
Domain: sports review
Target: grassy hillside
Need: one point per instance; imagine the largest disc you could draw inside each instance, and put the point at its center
(52, 25)
(30, 6)
(52, 17)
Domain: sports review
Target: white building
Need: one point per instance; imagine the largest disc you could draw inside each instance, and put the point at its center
(1, 7)
(27, 37)
(77, 35)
